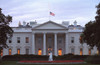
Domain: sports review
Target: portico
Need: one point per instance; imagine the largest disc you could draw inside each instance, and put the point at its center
(49, 37)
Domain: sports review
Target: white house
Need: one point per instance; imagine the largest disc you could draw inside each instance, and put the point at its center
(40, 39)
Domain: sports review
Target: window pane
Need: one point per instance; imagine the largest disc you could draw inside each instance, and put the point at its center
(27, 39)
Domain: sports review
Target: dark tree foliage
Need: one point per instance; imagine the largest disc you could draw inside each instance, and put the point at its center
(5, 30)
(91, 33)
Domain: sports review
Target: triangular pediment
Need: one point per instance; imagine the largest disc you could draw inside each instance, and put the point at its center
(50, 25)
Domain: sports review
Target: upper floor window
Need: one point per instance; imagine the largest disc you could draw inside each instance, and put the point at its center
(10, 40)
(60, 40)
(39, 40)
(18, 39)
(49, 40)
(72, 39)
(27, 39)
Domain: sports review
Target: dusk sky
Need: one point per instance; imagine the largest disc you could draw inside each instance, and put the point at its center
(65, 10)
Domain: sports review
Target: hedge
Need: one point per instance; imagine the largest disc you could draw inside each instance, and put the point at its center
(43, 57)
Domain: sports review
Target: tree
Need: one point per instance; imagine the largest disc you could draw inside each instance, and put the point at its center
(91, 33)
(5, 30)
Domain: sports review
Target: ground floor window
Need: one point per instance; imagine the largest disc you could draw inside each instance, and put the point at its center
(89, 51)
(72, 50)
(1, 52)
(27, 51)
(39, 52)
(10, 51)
(98, 52)
(81, 51)
(60, 52)
(18, 51)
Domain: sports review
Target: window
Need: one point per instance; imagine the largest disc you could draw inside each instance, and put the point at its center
(89, 51)
(49, 40)
(60, 40)
(81, 51)
(10, 51)
(72, 39)
(18, 39)
(39, 52)
(39, 40)
(60, 52)
(72, 50)
(18, 51)
(1, 52)
(27, 39)
(98, 52)
(27, 51)
(10, 40)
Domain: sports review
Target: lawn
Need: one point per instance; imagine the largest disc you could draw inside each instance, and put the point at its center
(15, 63)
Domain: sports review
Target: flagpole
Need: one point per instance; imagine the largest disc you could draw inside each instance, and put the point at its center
(49, 10)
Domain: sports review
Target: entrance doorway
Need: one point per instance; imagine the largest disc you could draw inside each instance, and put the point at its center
(39, 52)
(60, 52)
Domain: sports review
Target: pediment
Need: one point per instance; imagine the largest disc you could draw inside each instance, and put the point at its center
(50, 25)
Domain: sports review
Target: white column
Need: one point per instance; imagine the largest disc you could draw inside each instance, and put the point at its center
(44, 44)
(66, 44)
(55, 44)
(33, 43)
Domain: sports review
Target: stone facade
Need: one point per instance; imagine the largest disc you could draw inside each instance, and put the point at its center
(40, 39)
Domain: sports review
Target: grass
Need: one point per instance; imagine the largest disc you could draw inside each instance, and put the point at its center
(15, 63)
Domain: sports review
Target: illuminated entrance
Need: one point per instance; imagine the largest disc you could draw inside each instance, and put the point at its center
(89, 51)
(60, 52)
(39, 52)
(81, 51)
(10, 51)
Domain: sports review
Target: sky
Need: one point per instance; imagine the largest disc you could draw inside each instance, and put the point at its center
(38, 10)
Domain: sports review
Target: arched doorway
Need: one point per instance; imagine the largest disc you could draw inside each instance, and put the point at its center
(39, 52)
(60, 52)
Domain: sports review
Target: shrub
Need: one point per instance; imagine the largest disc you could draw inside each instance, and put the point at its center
(23, 57)
(95, 59)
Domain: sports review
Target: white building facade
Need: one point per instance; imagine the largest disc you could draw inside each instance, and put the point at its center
(40, 39)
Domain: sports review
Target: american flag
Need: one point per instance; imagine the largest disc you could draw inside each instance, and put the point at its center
(52, 14)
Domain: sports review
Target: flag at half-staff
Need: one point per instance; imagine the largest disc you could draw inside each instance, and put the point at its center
(51, 13)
